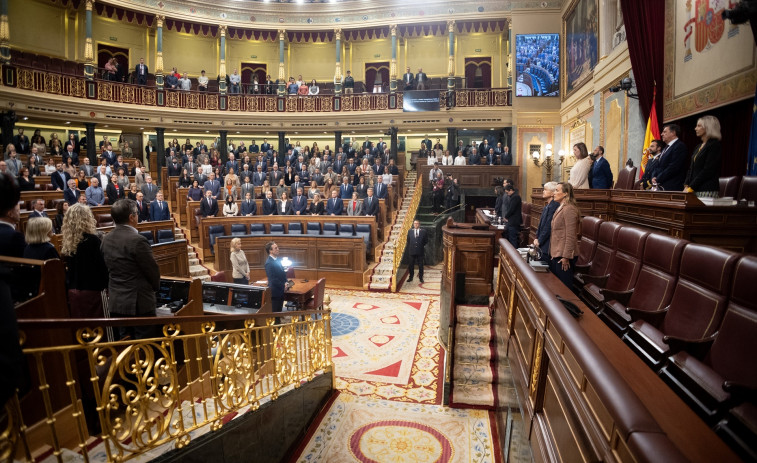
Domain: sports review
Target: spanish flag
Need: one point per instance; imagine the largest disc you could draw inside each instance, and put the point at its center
(653, 133)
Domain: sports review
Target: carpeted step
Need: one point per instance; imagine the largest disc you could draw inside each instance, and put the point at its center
(198, 270)
(473, 334)
(473, 315)
(472, 374)
(479, 394)
(471, 353)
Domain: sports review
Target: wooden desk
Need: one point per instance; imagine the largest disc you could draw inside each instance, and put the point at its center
(678, 214)
(473, 177)
(300, 293)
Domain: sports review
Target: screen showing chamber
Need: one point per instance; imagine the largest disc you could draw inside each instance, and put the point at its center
(537, 65)
(212, 294)
(420, 100)
(163, 294)
(240, 298)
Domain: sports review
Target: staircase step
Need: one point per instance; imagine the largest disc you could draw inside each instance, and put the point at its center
(472, 315)
(472, 353)
(473, 334)
(472, 373)
(198, 270)
(480, 394)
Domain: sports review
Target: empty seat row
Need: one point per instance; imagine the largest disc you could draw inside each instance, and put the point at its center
(688, 310)
(293, 228)
(158, 236)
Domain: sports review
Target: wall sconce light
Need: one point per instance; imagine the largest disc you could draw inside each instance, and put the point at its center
(548, 161)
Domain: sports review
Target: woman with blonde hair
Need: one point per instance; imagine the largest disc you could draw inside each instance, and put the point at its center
(240, 269)
(86, 272)
(579, 173)
(39, 230)
(564, 236)
(704, 172)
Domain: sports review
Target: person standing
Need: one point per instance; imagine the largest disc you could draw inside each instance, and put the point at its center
(240, 269)
(544, 231)
(513, 215)
(416, 244)
(601, 174)
(39, 230)
(408, 79)
(452, 195)
(141, 72)
(702, 178)
(349, 84)
(277, 276)
(579, 173)
(134, 273)
(564, 239)
(12, 242)
(671, 170)
(420, 82)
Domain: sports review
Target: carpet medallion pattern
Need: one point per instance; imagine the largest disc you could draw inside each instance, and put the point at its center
(385, 431)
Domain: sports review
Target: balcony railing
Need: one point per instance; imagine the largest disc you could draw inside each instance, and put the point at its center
(116, 92)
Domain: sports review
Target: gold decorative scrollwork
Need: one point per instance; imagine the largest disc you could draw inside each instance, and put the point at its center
(171, 330)
(211, 102)
(536, 367)
(193, 101)
(500, 97)
(461, 98)
(382, 101)
(291, 104)
(309, 104)
(317, 339)
(233, 371)
(234, 102)
(270, 104)
(285, 355)
(482, 98)
(89, 335)
(347, 103)
(52, 83)
(364, 102)
(208, 327)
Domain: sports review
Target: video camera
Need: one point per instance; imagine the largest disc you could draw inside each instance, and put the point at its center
(745, 10)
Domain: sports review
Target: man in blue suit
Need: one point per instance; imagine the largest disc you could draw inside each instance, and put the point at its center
(345, 189)
(335, 204)
(299, 203)
(248, 206)
(671, 166)
(601, 174)
(277, 277)
(159, 209)
(213, 185)
(269, 204)
(371, 204)
(380, 190)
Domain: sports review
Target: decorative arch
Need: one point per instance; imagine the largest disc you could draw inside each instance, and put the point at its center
(478, 72)
(106, 52)
(376, 72)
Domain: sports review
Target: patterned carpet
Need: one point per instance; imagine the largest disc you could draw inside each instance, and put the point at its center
(473, 373)
(364, 430)
(432, 282)
(386, 347)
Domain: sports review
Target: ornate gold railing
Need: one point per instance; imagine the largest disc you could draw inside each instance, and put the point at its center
(79, 87)
(147, 393)
(399, 249)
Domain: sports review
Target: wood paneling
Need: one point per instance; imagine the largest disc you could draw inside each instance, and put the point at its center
(172, 258)
(473, 176)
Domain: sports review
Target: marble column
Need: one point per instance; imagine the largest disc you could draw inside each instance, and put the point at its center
(159, 56)
(91, 143)
(222, 66)
(338, 67)
(393, 62)
(160, 147)
(282, 77)
(5, 34)
(451, 63)
(337, 143)
(223, 149)
(89, 54)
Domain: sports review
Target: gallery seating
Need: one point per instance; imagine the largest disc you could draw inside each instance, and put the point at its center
(214, 232)
(696, 309)
(726, 374)
(295, 228)
(149, 235)
(588, 244)
(238, 229)
(657, 279)
(165, 236)
(601, 263)
(624, 272)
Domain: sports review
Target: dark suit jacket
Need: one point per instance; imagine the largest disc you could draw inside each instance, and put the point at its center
(12, 242)
(671, 170)
(71, 196)
(209, 210)
(371, 207)
(248, 209)
(277, 277)
(318, 208)
(141, 78)
(421, 77)
(56, 180)
(513, 211)
(601, 174)
(144, 212)
(157, 214)
(544, 231)
(299, 204)
(113, 194)
(705, 167)
(408, 79)
(334, 206)
(380, 190)
(286, 209)
(269, 207)
(134, 274)
(506, 159)
(415, 245)
(345, 191)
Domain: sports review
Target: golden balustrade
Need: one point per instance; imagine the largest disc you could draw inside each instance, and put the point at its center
(117, 92)
(152, 392)
(399, 248)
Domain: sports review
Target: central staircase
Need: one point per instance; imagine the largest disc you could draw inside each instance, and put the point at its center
(383, 272)
(473, 373)
(196, 269)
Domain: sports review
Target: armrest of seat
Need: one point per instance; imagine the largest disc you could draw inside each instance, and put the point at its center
(582, 268)
(621, 296)
(696, 347)
(650, 317)
(597, 280)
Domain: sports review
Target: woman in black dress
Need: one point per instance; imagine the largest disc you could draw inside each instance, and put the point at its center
(25, 181)
(704, 173)
(39, 230)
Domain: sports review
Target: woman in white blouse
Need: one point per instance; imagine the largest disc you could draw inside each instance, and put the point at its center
(240, 269)
(579, 173)
(313, 89)
(230, 208)
(447, 159)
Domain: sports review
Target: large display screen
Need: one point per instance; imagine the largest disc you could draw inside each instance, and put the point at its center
(537, 65)
(420, 100)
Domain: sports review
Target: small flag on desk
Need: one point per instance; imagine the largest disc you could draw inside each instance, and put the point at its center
(751, 167)
(653, 133)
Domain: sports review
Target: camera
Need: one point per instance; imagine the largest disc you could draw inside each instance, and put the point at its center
(743, 12)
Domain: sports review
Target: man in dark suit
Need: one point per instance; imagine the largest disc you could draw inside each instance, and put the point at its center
(427, 141)
(408, 79)
(269, 204)
(159, 209)
(108, 154)
(59, 178)
(150, 190)
(38, 209)
(213, 186)
(277, 277)
(601, 174)
(513, 215)
(650, 170)
(416, 244)
(371, 204)
(12, 243)
(71, 194)
(248, 207)
(474, 159)
(452, 193)
(671, 166)
(143, 211)
(265, 147)
(134, 274)
(335, 204)
(141, 72)
(381, 190)
(506, 158)
(299, 203)
(345, 189)
(421, 81)
(209, 205)
(70, 153)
